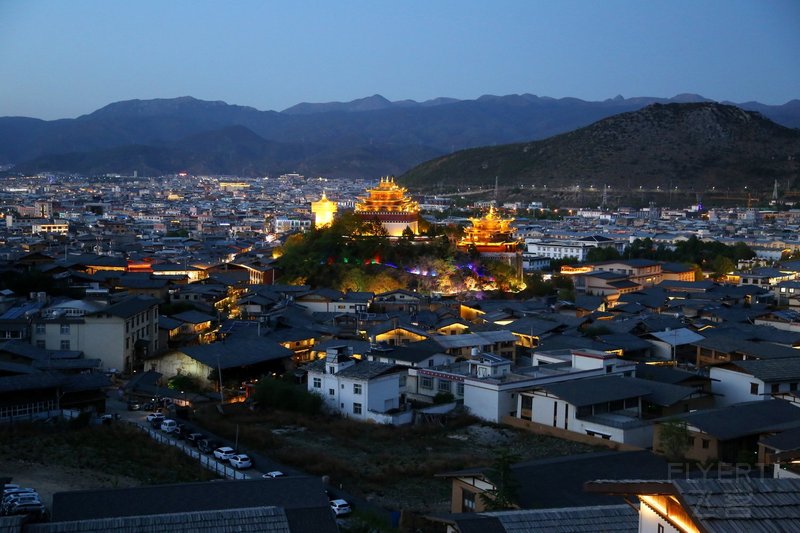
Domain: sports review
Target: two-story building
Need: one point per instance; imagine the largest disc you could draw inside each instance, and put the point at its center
(362, 390)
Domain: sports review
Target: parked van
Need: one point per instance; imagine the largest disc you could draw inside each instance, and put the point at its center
(169, 425)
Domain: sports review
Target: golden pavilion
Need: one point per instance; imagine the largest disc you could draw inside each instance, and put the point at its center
(489, 234)
(323, 211)
(492, 236)
(391, 206)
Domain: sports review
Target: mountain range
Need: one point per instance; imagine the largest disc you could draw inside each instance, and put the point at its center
(692, 146)
(366, 137)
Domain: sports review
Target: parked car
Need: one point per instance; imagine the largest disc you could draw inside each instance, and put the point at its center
(224, 453)
(273, 474)
(194, 438)
(20, 496)
(340, 507)
(208, 445)
(16, 489)
(28, 508)
(241, 461)
(134, 405)
(155, 415)
(181, 431)
(169, 425)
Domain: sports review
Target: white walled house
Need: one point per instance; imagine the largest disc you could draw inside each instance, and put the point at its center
(120, 334)
(361, 390)
(616, 408)
(607, 407)
(489, 386)
(755, 379)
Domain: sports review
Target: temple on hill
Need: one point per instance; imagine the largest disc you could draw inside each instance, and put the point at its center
(391, 206)
(491, 235)
(323, 211)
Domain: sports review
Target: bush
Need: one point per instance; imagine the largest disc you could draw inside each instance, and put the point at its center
(443, 397)
(277, 394)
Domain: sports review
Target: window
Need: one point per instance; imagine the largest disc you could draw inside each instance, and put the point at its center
(775, 388)
(467, 501)
(356, 388)
(330, 370)
(444, 386)
(430, 363)
(690, 441)
(403, 381)
(40, 328)
(706, 442)
(65, 345)
(426, 382)
(660, 528)
(460, 389)
(317, 383)
(40, 344)
(65, 329)
(331, 392)
(356, 408)
(754, 388)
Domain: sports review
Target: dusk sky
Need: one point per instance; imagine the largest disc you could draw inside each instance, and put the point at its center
(62, 59)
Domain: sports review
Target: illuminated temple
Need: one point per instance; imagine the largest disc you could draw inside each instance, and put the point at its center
(323, 210)
(391, 206)
(491, 235)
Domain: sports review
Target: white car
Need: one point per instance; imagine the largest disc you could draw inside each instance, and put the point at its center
(241, 461)
(224, 453)
(273, 474)
(153, 416)
(340, 507)
(169, 425)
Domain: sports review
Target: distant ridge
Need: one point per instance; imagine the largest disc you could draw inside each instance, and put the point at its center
(693, 146)
(366, 137)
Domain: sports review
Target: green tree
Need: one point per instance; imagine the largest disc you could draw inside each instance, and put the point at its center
(602, 253)
(674, 439)
(721, 266)
(504, 494)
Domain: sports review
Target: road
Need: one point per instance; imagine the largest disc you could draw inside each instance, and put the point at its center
(261, 463)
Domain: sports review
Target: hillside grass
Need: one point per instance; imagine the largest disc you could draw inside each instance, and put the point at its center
(115, 450)
(394, 466)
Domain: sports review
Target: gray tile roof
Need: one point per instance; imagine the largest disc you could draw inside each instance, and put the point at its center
(238, 349)
(44, 380)
(760, 350)
(772, 370)
(581, 392)
(612, 518)
(742, 505)
(743, 419)
(366, 370)
(299, 497)
(130, 306)
(252, 519)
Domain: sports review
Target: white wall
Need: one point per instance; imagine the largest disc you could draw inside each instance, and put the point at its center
(732, 387)
(649, 521)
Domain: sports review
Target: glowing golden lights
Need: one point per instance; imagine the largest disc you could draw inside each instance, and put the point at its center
(324, 211)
